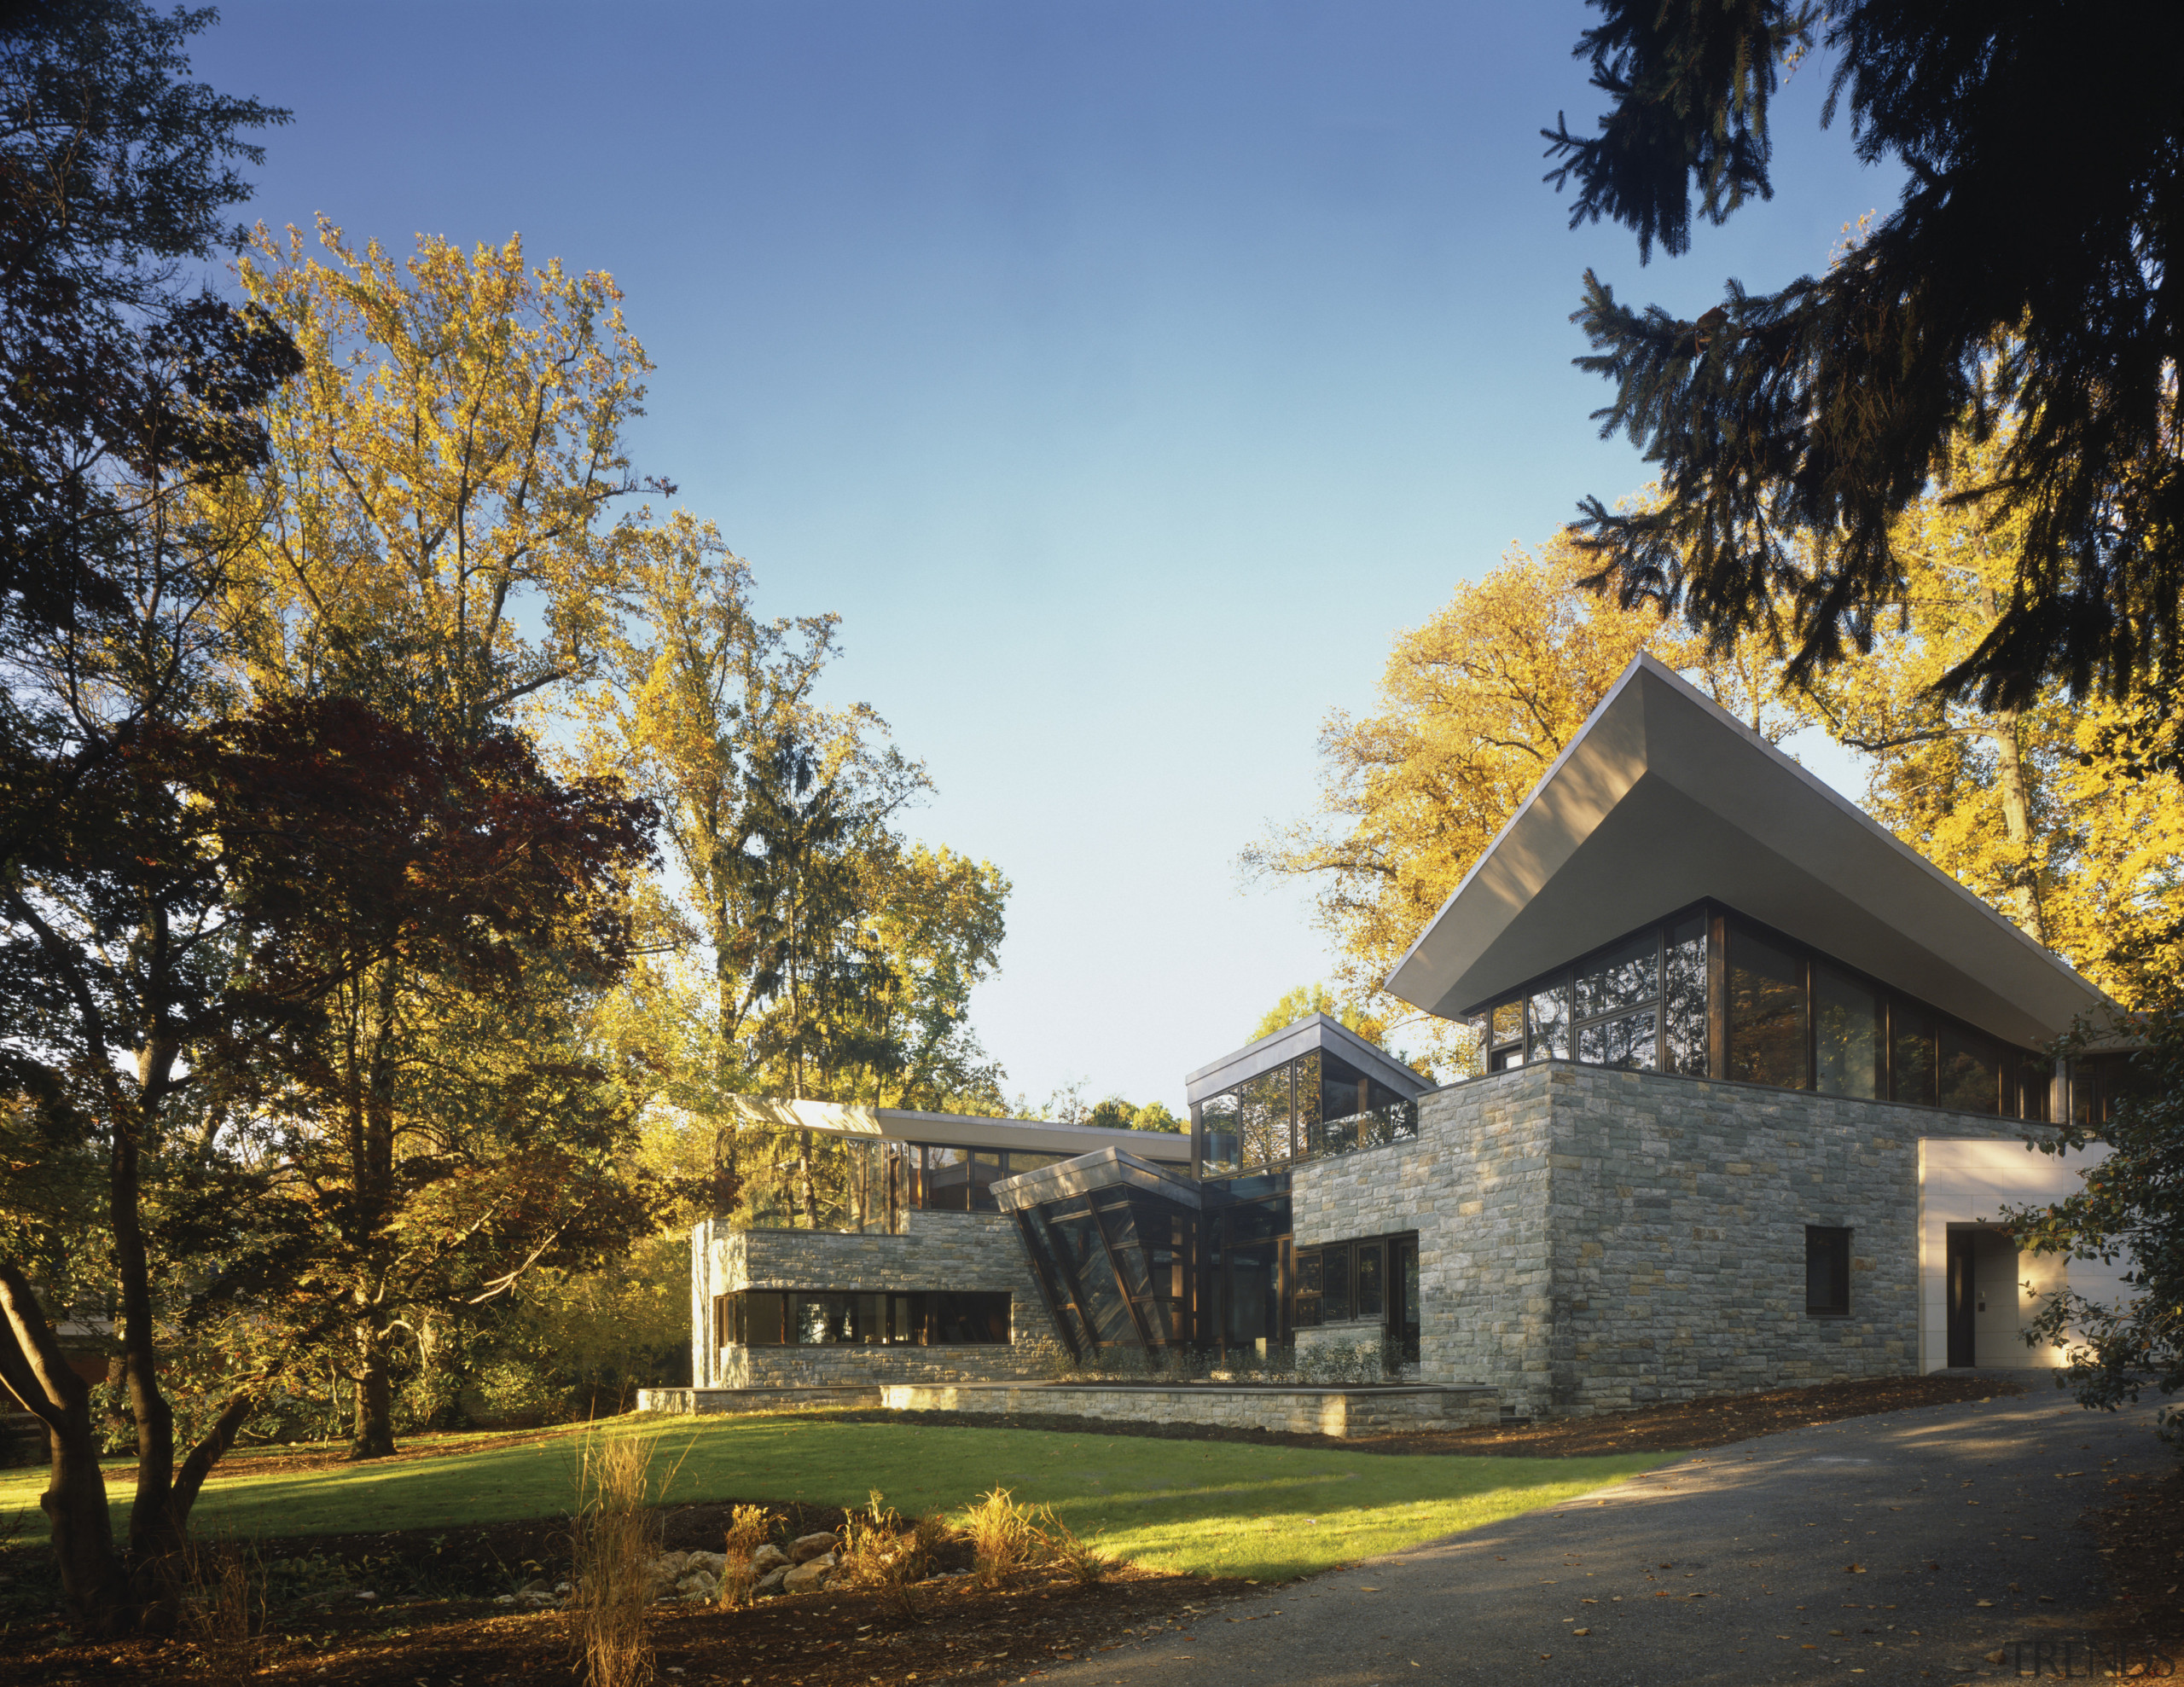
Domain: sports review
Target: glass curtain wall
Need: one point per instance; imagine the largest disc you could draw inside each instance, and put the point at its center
(1708, 993)
(1306, 1109)
(772, 1318)
(951, 1179)
(806, 1179)
(1118, 1268)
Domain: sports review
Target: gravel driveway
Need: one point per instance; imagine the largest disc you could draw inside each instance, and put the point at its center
(1899, 1548)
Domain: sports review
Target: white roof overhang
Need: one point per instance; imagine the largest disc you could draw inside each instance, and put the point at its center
(1663, 799)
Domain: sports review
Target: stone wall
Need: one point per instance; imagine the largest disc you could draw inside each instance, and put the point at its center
(1590, 1240)
(1679, 1215)
(1298, 1411)
(937, 1250)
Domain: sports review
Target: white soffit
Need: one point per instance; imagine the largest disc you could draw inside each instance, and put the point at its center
(1663, 798)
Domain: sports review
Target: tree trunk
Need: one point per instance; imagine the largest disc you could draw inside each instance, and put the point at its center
(94, 1590)
(374, 1426)
(2017, 816)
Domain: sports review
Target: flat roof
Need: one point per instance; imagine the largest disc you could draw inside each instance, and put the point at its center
(1663, 799)
(962, 1130)
(1302, 1036)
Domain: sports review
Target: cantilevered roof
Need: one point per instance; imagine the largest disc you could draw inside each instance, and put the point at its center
(1101, 1168)
(1314, 1030)
(960, 1130)
(1663, 799)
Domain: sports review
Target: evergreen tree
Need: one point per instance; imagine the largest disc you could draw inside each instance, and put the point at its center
(2028, 274)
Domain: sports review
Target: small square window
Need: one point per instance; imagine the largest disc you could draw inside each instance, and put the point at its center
(1828, 1270)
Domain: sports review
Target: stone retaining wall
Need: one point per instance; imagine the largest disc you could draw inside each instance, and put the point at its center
(1323, 1411)
(706, 1402)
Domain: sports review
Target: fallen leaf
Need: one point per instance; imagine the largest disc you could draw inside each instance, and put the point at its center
(1581, 1631)
(1984, 1603)
(1854, 1569)
(1996, 1656)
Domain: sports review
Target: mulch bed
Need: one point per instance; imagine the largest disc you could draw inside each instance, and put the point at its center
(1683, 1425)
(434, 1619)
(2142, 1550)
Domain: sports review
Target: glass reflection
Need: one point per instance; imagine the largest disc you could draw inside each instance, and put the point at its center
(1968, 1071)
(1548, 1013)
(1627, 1042)
(1683, 997)
(1623, 978)
(1846, 1027)
(1766, 1020)
(1911, 1056)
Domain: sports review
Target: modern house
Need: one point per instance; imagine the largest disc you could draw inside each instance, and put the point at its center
(1756, 1081)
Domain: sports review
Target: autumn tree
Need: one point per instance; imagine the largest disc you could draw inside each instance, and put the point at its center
(840, 957)
(1475, 706)
(121, 390)
(2030, 805)
(2027, 276)
(434, 536)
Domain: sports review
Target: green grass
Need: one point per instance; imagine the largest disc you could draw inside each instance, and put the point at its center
(1220, 1508)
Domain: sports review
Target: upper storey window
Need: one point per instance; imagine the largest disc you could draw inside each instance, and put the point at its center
(1709, 992)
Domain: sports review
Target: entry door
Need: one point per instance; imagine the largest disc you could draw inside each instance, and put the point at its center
(1963, 1350)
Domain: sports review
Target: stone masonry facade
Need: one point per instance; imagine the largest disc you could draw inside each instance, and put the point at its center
(937, 1250)
(1590, 1240)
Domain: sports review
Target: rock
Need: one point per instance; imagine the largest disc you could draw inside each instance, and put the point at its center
(771, 1582)
(537, 1585)
(697, 1584)
(563, 1587)
(769, 1557)
(498, 1599)
(810, 1576)
(669, 1565)
(713, 1563)
(806, 1547)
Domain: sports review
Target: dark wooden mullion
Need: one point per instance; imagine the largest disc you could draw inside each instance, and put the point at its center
(1034, 1249)
(1122, 1281)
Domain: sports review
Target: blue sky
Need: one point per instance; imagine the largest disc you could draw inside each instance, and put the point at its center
(1126, 376)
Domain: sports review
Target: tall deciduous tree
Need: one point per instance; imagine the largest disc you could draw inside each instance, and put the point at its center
(119, 389)
(2033, 806)
(2029, 271)
(1475, 705)
(433, 534)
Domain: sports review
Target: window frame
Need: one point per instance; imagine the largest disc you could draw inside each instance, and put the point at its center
(1828, 1246)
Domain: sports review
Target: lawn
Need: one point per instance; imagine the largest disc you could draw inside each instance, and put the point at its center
(1217, 1508)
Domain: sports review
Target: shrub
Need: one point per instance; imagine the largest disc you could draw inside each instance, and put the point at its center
(615, 1539)
(748, 1530)
(1005, 1537)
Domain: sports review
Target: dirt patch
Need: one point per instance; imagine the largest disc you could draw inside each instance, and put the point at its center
(434, 1620)
(2141, 1538)
(1683, 1425)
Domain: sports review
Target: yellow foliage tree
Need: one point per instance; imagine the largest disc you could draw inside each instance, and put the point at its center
(431, 534)
(1475, 707)
(2034, 809)
(441, 473)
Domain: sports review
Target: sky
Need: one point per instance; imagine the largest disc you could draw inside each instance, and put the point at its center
(1126, 376)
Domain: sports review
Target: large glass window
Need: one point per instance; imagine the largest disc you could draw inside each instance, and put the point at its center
(770, 1318)
(1911, 1055)
(1622, 978)
(1368, 1287)
(1548, 1015)
(1683, 997)
(1264, 1118)
(1767, 1012)
(1627, 1042)
(1968, 1075)
(1218, 1115)
(1846, 1030)
(1334, 1278)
